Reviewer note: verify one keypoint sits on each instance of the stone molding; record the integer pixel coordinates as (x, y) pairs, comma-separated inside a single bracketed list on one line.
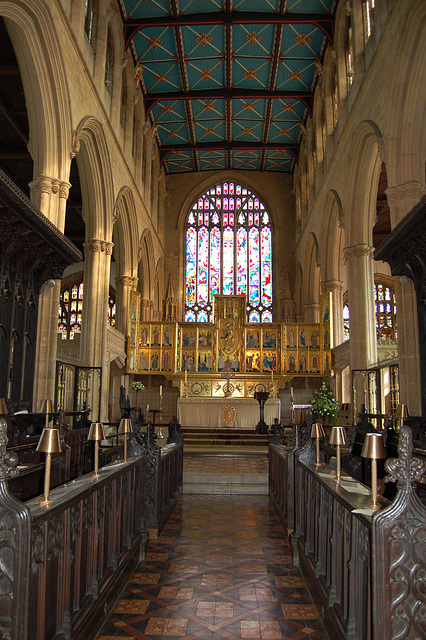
[(98, 246), (358, 251), (330, 286), (408, 190), (116, 346), (127, 281), (48, 186)]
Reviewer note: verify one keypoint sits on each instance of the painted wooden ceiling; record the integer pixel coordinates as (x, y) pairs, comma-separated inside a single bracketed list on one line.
[(228, 84)]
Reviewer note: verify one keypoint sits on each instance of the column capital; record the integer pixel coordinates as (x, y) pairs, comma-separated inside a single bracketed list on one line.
[(329, 286), (98, 246), (127, 281), (358, 251), (408, 190)]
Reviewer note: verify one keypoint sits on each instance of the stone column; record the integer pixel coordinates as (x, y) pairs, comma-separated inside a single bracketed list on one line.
[(97, 266), (123, 286), (363, 341), (47, 336), (408, 346), (335, 287), (312, 312), (49, 195)]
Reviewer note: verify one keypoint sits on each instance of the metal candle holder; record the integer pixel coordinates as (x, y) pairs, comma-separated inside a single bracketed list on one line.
[(49, 443), (338, 437), (96, 433), (125, 428), (317, 432), (374, 449)]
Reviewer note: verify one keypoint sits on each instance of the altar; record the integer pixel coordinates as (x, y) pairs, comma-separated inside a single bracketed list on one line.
[(225, 412)]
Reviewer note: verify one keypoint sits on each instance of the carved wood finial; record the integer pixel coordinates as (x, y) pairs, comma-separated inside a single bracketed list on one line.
[(8, 459), (405, 469)]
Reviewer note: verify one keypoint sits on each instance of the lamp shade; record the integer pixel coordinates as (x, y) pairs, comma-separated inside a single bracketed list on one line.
[(125, 426), (317, 430), (373, 446), (96, 431), (402, 412), (3, 408), (338, 436), (49, 441), (46, 406)]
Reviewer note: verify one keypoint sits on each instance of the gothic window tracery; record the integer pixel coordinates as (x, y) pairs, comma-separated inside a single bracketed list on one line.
[(368, 11), (109, 61), (228, 252), (90, 20)]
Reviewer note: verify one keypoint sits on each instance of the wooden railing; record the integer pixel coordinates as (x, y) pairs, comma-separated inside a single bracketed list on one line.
[(65, 564), (363, 567), (164, 475)]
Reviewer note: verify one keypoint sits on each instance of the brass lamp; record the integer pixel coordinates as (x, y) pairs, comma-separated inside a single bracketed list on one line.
[(374, 449), (125, 428), (96, 433), (49, 443), (401, 413), (338, 437), (317, 432)]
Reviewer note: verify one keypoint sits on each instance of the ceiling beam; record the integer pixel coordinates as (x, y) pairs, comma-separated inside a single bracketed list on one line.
[(325, 22), (165, 149), (305, 97)]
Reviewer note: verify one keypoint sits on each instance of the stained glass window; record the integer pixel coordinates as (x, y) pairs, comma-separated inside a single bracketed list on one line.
[(228, 252), (70, 310), (384, 299)]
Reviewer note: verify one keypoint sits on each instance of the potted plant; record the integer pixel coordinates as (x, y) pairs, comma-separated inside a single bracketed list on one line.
[(137, 386), (324, 404)]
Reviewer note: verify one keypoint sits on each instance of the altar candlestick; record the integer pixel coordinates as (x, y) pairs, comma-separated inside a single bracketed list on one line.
[(161, 390), (272, 376), (291, 392), (186, 376)]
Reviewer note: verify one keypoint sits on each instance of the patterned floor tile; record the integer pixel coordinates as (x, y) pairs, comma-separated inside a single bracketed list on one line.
[(221, 569)]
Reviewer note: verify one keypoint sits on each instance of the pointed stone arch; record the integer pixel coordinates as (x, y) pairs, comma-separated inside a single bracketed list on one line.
[(146, 267), (95, 178), (311, 279), (31, 29), (367, 163), (332, 237), (125, 233)]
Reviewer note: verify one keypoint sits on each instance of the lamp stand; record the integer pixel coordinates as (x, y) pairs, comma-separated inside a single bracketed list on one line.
[(95, 473), (318, 463), (125, 447), (374, 483), (338, 462), (45, 501)]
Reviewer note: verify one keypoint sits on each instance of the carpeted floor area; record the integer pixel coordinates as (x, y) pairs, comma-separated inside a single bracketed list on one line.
[(222, 568), (238, 465)]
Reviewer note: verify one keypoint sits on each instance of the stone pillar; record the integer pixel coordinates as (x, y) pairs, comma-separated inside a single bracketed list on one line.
[(49, 195), (363, 341), (97, 266), (335, 287), (47, 336), (123, 286), (312, 312)]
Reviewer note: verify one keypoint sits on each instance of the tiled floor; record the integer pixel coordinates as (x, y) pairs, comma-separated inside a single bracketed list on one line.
[(222, 568), (238, 465)]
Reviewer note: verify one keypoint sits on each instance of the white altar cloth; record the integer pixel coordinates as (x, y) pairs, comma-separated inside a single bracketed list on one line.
[(207, 412)]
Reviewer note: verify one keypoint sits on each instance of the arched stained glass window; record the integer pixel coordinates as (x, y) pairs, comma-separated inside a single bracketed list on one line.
[(228, 252), (70, 311)]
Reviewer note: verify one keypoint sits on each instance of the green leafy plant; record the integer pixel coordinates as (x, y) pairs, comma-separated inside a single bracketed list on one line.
[(324, 404), (137, 385)]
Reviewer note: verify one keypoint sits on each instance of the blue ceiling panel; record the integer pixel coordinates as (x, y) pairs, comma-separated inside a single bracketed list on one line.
[(310, 6), (159, 77), (155, 44), (253, 40), (212, 131), (295, 75), (138, 8), (301, 41), (256, 5), (169, 112), (212, 160), (249, 132), (208, 109), (288, 110), (205, 74), (248, 110), (176, 162), (175, 133), (284, 132), (250, 73), (248, 160), (205, 41)]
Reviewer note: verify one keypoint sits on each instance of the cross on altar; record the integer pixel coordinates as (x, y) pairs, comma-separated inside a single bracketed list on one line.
[(228, 375)]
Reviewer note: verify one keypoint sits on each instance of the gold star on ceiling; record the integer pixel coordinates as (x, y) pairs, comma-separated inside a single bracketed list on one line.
[(250, 74), (252, 37), (303, 39), (203, 39)]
